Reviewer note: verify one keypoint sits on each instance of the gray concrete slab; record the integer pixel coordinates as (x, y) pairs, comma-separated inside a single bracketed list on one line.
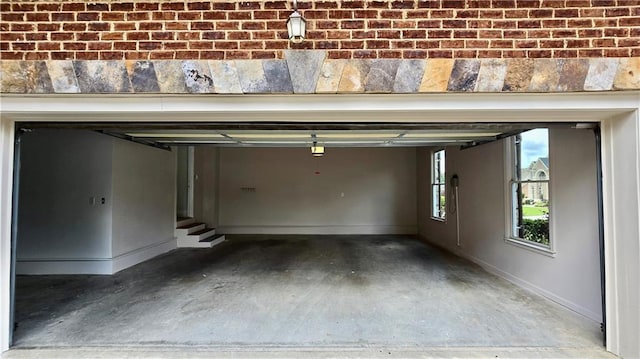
[(254, 296)]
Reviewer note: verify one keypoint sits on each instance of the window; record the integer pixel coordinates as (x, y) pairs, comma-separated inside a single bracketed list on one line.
[(438, 185), (529, 188)]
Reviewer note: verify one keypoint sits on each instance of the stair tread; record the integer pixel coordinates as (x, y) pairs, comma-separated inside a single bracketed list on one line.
[(202, 231), (212, 238), (190, 225)]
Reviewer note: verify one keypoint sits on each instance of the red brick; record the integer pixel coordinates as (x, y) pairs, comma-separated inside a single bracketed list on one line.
[(352, 24), (211, 55), (124, 45), (388, 34), (110, 36), (175, 45), (477, 44), (33, 16), (390, 54), (326, 4), (323, 45), (237, 55), (469, 54), (263, 55), (377, 44), (74, 27), (146, 6), (111, 55), (49, 7), (616, 52), (88, 36), (161, 55), (364, 14), (149, 45), (36, 36), (364, 54), (198, 5), (189, 16), (49, 46), (540, 53), (177, 6), (415, 54), (414, 34), (119, 6), (98, 26), (60, 55), (590, 52), (238, 35)]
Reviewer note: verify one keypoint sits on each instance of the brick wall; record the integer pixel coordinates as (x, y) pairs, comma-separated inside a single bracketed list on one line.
[(255, 29)]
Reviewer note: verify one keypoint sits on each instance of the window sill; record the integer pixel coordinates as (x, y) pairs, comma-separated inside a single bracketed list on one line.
[(530, 246)]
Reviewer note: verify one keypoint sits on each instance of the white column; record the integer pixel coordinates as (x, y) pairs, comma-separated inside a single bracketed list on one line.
[(6, 189), (621, 171)]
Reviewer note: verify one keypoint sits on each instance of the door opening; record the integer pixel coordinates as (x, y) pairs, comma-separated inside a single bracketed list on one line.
[(185, 182)]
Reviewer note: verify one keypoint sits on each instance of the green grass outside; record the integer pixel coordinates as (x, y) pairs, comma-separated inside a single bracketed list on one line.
[(530, 211)]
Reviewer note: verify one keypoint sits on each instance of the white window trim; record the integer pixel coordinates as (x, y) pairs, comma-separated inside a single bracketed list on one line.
[(549, 251), (433, 168)]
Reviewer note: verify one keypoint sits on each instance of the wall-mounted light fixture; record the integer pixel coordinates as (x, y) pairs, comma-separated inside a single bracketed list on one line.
[(296, 25), (317, 151)]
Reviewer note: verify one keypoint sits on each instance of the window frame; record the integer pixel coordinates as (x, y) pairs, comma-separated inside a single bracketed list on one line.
[(510, 170), (435, 181)]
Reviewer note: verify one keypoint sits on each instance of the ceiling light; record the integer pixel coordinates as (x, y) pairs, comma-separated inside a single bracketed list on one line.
[(316, 150), (176, 135), (301, 136), (356, 135), (449, 134), (296, 25)]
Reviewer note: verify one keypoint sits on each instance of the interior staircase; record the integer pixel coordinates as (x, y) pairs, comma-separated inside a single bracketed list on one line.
[(196, 235)]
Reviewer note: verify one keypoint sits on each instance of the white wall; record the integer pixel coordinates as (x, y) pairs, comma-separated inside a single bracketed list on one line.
[(58, 225), (62, 231), (572, 276), (206, 170), (144, 185), (298, 193)]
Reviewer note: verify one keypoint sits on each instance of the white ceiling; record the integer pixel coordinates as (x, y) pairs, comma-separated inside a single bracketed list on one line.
[(328, 138)]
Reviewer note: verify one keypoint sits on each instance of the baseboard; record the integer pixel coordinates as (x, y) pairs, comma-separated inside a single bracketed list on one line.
[(321, 230), (518, 281), (129, 259), (63, 266)]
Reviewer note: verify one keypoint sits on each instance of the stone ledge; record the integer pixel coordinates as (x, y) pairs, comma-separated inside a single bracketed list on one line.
[(311, 72)]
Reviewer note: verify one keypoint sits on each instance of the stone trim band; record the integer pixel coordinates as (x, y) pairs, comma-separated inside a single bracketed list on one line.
[(310, 71)]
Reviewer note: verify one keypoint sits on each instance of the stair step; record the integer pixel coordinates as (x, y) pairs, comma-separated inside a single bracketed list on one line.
[(191, 242), (202, 234), (213, 238), (190, 228)]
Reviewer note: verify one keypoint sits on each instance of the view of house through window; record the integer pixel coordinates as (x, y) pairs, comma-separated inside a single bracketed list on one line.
[(438, 185), (530, 187)]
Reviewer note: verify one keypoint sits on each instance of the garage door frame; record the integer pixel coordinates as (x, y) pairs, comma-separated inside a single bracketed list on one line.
[(618, 114)]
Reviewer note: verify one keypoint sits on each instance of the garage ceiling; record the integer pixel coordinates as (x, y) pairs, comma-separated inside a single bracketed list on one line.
[(244, 134), (329, 138)]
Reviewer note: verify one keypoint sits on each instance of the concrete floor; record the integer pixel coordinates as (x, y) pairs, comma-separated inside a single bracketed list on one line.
[(274, 294)]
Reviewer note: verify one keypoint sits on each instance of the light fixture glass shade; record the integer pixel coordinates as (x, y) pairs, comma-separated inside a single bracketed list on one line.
[(296, 26), (317, 151)]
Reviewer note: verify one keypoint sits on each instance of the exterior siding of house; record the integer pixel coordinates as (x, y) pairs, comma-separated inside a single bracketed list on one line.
[(350, 29)]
